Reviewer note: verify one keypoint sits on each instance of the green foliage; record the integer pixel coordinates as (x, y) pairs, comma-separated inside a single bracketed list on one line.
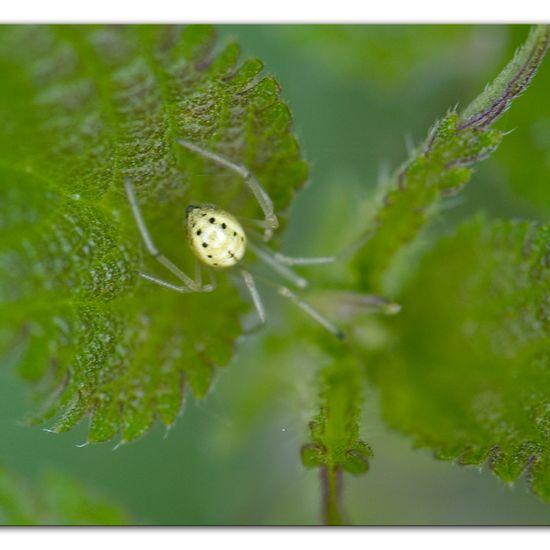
[(464, 370), (443, 164), (59, 500), (461, 370), (82, 108), (467, 372), (335, 444), (335, 429)]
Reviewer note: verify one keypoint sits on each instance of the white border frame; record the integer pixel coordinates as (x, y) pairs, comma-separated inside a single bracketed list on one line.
[(274, 11)]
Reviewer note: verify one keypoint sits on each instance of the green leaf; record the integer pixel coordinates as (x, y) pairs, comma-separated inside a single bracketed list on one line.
[(82, 108), (59, 500), (466, 370), (335, 445), (443, 164)]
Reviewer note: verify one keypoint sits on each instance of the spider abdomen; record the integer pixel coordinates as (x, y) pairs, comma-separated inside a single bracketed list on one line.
[(215, 236)]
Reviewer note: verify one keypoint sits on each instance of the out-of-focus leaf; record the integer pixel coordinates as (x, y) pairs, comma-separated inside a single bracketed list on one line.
[(60, 500), (466, 370)]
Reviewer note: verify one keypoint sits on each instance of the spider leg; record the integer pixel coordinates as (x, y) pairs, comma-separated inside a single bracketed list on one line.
[(270, 221), (311, 311), (268, 258), (262, 224), (192, 285), (213, 280), (277, 262), (286, 293), (161, 282), (198, 273), (283, 258), (251, 285), (289, 260)]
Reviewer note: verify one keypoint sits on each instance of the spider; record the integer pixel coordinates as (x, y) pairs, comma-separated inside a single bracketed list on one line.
[(219, 242)]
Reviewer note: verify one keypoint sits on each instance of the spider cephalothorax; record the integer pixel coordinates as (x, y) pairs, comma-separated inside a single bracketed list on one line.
[(215, 236)]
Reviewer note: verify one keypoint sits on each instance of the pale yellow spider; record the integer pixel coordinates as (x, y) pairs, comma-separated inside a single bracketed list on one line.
[(219, 241)]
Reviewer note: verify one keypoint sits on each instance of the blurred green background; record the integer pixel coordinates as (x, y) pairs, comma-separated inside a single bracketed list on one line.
[(360, 96)]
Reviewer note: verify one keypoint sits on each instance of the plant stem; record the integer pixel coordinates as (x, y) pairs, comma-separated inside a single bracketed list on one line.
[(331, 486)]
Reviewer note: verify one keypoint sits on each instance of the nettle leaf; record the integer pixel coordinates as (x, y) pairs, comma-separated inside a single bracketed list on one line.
[(58, 500), (82, 108), (442, 165), (335, 445), (467, 370)]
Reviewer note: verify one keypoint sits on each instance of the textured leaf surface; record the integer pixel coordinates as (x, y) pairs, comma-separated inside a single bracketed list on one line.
[(82, 108), (443, 164), (59, 500), (467, 369)]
